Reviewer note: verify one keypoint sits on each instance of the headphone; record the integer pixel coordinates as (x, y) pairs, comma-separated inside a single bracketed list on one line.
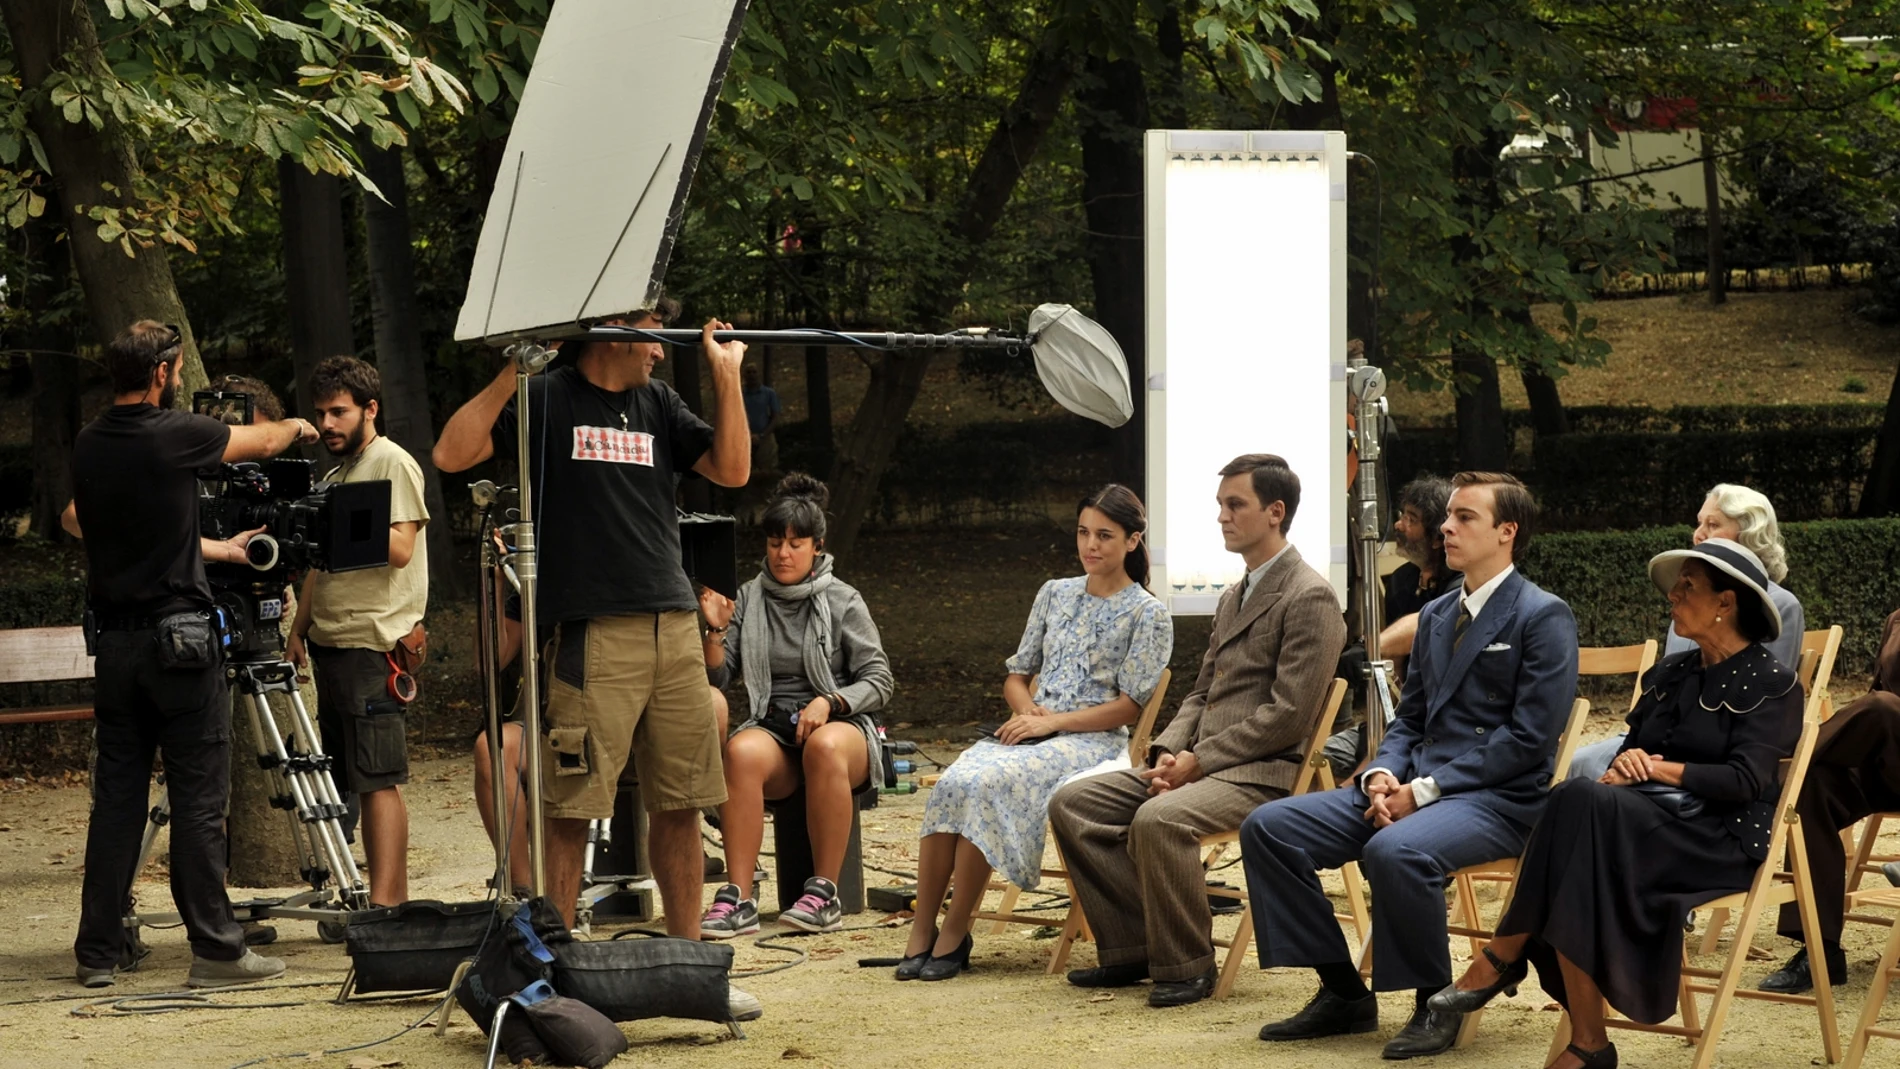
[(402, 685)]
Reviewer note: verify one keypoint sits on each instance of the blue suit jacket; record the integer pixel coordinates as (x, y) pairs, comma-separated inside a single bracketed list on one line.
[(1484, 721)]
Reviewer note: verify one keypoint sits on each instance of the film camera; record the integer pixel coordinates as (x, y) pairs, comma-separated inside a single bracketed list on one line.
[(336, 527)]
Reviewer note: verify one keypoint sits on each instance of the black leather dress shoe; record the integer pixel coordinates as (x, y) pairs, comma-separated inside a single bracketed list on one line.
[(1798, 976), (1326, 1015), (1429, 1032), (1110, 975), (1182, 992)]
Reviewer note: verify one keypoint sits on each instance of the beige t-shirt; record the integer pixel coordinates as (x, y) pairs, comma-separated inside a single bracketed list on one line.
[(373, 608)]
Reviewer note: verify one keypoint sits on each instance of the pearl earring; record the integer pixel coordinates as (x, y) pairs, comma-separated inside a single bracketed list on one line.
[(1718, 619)]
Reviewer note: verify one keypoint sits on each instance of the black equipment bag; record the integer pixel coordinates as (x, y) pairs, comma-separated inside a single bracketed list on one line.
[(658, 976), (415, 946), (573, 1032), (514, 955)]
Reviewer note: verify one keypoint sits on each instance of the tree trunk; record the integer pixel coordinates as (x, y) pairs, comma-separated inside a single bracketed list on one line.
[(896, 378), (1481, 441), (406, 414), (263, 844), (316, 274), (53, 36), (1112, 111), (818, 408), (1712, 191), (58, 378), (1547, 407), (1169, 99), (1880, 494)]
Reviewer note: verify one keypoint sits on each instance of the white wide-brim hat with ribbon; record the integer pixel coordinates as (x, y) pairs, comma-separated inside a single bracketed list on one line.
[(1731, 558)]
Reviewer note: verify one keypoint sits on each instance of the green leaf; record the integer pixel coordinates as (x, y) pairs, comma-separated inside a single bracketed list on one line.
[(801, 187), (411, 114), (486, 85)]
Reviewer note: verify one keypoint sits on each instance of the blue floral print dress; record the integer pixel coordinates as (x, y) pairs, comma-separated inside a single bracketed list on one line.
[(1084, 651)]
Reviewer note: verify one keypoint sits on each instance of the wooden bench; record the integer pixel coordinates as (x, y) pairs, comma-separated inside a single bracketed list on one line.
[(44, 655)]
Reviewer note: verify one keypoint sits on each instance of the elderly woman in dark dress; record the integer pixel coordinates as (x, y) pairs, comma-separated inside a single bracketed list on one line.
[(1681, 818)]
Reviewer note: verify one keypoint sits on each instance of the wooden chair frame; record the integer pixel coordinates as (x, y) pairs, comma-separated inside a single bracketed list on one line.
[(1072, 924), (1314, 770), (1868, 1027), (1769, 888), (1619, 660), (1466, 919)]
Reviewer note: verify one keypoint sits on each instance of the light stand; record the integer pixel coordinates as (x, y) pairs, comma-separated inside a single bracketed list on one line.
[(528, 358), (1365, 384)]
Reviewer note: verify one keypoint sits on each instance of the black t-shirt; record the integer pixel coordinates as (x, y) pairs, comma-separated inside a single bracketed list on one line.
[(1405, 594), (605, 519), (135, 488)]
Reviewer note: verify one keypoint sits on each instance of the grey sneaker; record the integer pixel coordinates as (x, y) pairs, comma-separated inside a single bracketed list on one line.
[(729, 916), (743, 1007), (96, 976), (1891, 870), (817, 910), (248, 969)]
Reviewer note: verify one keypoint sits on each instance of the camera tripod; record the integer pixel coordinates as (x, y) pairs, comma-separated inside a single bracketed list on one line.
[(301, 786)]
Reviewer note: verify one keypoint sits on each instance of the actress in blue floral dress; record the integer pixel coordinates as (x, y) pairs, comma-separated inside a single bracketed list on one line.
[(1096, 645)]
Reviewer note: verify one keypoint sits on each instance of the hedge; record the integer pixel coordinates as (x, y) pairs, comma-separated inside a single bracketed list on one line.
[(1845, 572), (1634, 467)]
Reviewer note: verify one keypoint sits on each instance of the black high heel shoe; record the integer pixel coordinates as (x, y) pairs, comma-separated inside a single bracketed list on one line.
[(912, 967), (943, 968), (1510, 974)]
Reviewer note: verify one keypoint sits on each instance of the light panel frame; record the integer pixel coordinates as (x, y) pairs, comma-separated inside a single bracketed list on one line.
[(1246, 342)]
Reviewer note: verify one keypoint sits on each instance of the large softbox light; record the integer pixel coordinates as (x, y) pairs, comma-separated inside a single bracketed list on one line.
[(589, 196)]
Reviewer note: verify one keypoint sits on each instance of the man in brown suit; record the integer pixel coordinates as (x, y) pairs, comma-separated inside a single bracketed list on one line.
[(1131, 839), (1855, 772)]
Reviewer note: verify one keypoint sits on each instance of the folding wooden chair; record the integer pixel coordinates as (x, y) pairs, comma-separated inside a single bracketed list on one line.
[(1314, 770), (1591, 661), (1813, 670), (1072, 924), (1869, 1024), (1769, 888)]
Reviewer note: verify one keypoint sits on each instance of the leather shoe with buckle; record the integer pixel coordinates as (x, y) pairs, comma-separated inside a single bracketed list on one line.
[(1110, 975), (1797, 976), (1326, 1015), (1429, 1032), (1182, 992)]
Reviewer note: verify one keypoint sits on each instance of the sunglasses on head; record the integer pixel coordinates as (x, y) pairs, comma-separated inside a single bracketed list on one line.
[(170, 351)]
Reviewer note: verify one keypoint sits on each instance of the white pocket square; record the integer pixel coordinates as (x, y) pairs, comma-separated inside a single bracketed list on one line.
[(1496, 647)]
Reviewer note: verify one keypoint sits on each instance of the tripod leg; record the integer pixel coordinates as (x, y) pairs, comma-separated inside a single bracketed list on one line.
[(323, 787), (308, 863)]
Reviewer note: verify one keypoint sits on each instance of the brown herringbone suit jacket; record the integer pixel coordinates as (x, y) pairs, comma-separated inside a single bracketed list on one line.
[(1263, 680)]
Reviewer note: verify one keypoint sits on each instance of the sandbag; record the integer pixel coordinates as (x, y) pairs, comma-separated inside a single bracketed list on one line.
[(513, 956), (574, 1032), (415, 946), (633, 979)]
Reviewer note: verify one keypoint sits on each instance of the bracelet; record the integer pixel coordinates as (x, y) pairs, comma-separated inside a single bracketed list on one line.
[(718, 630)]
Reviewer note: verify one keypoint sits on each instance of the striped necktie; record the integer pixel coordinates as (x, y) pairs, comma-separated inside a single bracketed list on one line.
[(1464, 624)]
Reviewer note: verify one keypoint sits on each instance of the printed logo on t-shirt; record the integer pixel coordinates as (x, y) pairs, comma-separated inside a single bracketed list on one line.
[(613, 446)]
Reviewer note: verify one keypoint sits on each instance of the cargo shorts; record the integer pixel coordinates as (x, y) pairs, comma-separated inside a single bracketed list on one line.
[(623, 688), (365, 730)]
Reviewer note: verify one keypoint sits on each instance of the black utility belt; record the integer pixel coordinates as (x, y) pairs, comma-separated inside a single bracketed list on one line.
[(186, 640), (125, 623)]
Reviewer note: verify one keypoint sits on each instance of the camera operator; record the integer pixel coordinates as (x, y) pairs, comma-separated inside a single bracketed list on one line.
[(626, 670), (159, 672), (360, 626)]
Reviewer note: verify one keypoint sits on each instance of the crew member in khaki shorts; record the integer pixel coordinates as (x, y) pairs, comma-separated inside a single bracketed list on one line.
[(607, 446), (621, 684)]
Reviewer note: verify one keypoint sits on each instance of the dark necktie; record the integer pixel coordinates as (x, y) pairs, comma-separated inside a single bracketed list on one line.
[(1464, 624)]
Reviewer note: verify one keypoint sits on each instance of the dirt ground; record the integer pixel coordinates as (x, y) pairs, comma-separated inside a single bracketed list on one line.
[(826, 1011)]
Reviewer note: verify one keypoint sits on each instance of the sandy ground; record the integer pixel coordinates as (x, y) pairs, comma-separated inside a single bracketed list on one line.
[(826, 1011)]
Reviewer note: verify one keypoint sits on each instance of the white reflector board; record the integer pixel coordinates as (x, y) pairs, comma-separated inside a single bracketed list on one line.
[(1246, 293), (590, 192)]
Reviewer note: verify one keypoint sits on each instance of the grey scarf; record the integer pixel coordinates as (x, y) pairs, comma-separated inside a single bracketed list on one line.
[(755, 641)]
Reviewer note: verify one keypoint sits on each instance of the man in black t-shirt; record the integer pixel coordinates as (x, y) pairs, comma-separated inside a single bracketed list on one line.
[(135, 498), (607, 442)]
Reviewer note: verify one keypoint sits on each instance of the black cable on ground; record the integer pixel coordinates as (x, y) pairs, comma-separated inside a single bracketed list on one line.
[(932, 758), (890, 872), (391, 1038)]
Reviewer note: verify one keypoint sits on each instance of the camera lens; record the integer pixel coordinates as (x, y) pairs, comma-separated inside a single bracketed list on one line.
[(261, 552)]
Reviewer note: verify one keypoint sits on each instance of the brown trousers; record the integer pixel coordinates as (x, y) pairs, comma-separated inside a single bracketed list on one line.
[(1855, 771), (1135, 863)]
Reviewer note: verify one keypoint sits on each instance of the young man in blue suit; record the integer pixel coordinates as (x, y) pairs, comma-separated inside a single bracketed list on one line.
[(1459, 780)]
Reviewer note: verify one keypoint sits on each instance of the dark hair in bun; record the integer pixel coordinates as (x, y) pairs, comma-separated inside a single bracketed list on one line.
[(796, 508), (1126, 511)]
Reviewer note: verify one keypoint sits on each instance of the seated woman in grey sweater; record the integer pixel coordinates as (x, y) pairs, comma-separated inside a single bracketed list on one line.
[(814, 671)]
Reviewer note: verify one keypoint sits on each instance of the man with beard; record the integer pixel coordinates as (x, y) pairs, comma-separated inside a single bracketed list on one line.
[(1423, 576), (350, 625), (159, 671)]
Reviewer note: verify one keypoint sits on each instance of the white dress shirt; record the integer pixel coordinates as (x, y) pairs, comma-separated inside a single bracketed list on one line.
[(1253, 578), (1424, 788)]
